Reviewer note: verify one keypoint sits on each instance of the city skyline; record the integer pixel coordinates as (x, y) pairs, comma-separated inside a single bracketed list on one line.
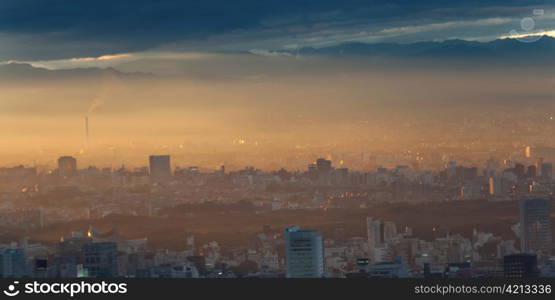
[(278, 139)]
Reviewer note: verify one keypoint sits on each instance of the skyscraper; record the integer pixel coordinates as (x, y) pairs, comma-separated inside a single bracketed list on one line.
[(535, 225), (520, 266), (527, 151), (12, 263), (304, 253), (323, 164), (531, 172), (374, 234), (519, 170), (101, 259), (67, 164), (389, 231), (324, 169), (547, 171), (159, 167)]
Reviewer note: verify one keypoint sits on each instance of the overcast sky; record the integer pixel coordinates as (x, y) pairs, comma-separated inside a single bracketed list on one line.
[(32, 30)]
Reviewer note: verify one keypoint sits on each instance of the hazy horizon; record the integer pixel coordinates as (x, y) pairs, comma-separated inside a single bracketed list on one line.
[(280, 90)]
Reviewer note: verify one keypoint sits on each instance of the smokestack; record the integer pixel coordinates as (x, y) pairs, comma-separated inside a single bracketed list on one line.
[(86, 133)]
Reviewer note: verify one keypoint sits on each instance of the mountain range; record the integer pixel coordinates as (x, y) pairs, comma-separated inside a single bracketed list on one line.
[(15, 70), (542, 49), (543, 46), (504, 52)]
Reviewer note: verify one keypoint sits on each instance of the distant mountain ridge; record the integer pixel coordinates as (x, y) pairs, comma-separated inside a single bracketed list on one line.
[(543, 48), (501, 52), (15, 70)]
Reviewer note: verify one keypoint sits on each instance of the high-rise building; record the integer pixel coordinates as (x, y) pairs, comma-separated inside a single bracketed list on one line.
[(547, 171), (535, 225), (527, 151), (374, 234), (520, 266), (322, 172), (312, 171), (519, 170), (160, 167), (323, 165), (67, 164), (12, 263), (531, 172), (304, 253), (65, 266), (389, 231), (101, 259)]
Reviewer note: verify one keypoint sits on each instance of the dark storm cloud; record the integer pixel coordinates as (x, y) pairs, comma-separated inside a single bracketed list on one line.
[(49, 29)]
